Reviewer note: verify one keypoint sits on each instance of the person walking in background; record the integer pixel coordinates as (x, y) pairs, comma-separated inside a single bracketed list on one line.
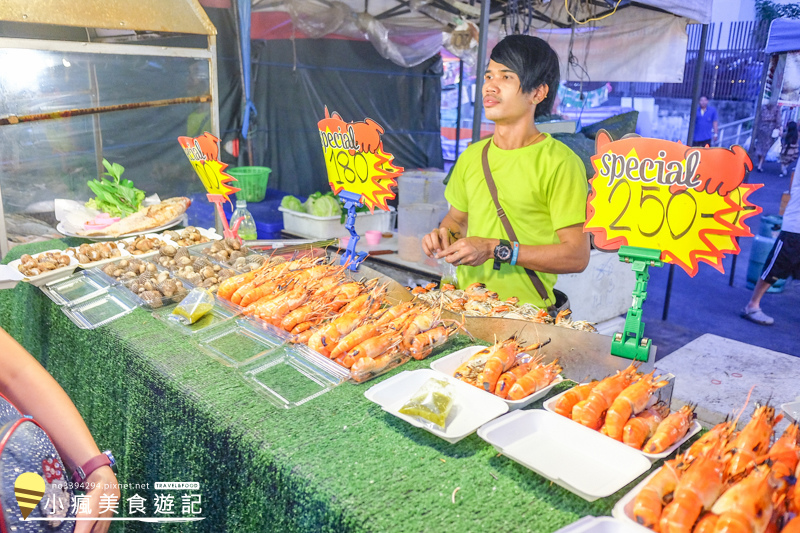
[(789, 148), (783, 260), (706, 125), (768, 130)]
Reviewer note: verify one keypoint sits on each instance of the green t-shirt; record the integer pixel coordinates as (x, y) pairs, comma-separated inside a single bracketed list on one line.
[(542, 188)]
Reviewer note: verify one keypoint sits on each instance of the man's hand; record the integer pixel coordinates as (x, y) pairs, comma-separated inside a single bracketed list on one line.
[(101, 482), (435, 241), (472, 251)]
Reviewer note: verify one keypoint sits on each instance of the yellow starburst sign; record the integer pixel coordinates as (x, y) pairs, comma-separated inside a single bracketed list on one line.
[(356, 161), (203, 153), (690, 203)]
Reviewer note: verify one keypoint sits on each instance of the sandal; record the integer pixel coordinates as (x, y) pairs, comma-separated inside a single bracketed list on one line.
[(757, 316)]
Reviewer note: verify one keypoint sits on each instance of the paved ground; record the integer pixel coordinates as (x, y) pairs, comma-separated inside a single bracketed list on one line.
[(707, 304)]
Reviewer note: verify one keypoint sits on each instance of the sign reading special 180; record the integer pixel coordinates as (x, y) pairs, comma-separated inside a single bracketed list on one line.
[(356, 161), (690, 203)]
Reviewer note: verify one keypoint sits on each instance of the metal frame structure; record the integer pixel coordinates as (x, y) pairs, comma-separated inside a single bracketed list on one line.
[(181, 16)]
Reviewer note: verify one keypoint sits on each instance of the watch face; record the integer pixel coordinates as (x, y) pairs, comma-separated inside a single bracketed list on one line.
[(502, 252)]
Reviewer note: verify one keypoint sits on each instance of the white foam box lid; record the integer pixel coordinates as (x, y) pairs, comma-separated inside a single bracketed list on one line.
[(471, 407), (576, 458), (601, 524), (448, 365), (550, 405), (315, 227)]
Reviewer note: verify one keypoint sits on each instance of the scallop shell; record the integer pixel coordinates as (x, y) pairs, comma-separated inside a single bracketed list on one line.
[(152, 298), (256, 259), (181, 252), (201, 262)]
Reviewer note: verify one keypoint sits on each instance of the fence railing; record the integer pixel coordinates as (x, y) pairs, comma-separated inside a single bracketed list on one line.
[(735, 132), (733, 64)]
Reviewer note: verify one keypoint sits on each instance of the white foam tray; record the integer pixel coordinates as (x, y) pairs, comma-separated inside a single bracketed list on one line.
[(471, 407), (792, 409), (623, 510), (449, 364), (51, 275), (550, 404), (602, 524), (576, 458)]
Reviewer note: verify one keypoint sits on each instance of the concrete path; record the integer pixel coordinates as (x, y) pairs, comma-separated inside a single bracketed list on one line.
[(717, 373)]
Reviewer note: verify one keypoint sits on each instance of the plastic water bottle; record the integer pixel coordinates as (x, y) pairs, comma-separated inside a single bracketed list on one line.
[(247, 228)]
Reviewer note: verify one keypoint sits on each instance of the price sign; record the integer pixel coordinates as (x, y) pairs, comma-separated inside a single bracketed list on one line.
[(690, 203), (203, 153), (355, 160)]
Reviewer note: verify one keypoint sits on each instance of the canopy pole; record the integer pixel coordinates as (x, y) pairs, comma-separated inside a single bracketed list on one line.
[(480, 65), (458, 109), (698, 78)]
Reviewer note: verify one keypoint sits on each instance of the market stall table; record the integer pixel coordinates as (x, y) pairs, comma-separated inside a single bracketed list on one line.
[(336, 463)]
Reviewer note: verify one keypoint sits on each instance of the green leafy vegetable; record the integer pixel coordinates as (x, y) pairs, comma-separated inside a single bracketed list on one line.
[(290, 202), (117, 197), (325, 206)]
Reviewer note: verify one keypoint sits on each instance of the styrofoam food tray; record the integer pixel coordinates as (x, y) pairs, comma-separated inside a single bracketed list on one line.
[(449, 364), (51, 275), (123, 254), (600, 524), (471, 407), (792, 409), (550, 405), (579, 459), (623, 510)]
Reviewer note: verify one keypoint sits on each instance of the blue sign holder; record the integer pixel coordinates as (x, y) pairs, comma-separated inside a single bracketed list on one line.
[(351, 258)]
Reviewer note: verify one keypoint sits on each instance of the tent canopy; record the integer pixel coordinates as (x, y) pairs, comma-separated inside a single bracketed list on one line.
[(784, 36), (181, 16), (603, 39)]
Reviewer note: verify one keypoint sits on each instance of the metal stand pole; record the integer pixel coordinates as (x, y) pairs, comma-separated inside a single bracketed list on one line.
[(480, 65), (698, 77), (458, 109)]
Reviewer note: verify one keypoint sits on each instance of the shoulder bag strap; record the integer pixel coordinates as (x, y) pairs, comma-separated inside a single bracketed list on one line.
[(487, 173)]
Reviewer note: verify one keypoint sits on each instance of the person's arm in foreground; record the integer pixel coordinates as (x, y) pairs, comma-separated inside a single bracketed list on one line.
[(34, 391), (568, 256)]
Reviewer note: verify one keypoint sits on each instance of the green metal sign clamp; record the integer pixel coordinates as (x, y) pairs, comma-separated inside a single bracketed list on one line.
[(631, 343)]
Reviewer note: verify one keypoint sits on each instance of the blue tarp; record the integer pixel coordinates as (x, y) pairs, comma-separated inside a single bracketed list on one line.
[(784, 36)]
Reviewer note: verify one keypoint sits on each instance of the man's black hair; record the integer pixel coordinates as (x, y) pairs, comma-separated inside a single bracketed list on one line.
[(534, 62)]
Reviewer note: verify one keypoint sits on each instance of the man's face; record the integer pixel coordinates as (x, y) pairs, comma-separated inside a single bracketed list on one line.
[(503, 101), (703, 102)]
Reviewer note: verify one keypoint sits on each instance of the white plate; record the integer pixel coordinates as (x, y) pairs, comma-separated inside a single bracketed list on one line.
[(51, 275), (582, 461), (471, 407), (449, 364), (550, 405), (602, 524), (623, 510), (180, 220)]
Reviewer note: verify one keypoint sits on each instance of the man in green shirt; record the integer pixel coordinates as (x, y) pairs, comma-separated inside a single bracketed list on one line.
[(541, 185)]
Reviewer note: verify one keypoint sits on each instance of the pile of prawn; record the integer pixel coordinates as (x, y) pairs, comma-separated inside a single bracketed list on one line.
[(508, 370), (477, 300), (728, 481), (619, 407), (348, 321)]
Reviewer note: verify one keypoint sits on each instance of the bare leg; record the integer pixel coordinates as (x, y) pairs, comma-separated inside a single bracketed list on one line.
[(760, 290), (760, 162)]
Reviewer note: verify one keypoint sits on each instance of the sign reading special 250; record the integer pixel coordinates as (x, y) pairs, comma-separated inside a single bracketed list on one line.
[(690, 203), (356, 161)]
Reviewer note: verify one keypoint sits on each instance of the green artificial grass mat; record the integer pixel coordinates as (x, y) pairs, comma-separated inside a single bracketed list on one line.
[(336, 463)]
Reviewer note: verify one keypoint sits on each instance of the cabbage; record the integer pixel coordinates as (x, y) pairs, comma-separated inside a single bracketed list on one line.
[(324, 206), (290, 202)]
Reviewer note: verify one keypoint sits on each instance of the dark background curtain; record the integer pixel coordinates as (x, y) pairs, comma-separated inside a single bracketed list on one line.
[(293, 82)]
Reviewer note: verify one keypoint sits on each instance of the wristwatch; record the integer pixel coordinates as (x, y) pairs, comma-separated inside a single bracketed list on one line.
[(104, 459), (502, 253)]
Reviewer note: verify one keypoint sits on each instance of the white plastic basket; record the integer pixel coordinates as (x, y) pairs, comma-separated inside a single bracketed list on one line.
[(314, 227)]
